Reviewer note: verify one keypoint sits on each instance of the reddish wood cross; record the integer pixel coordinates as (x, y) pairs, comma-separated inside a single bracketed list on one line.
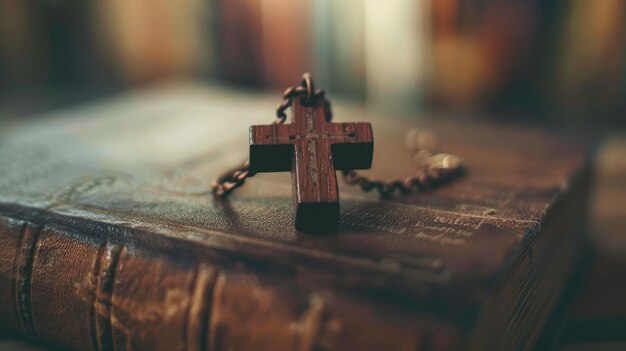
[(313, 149)]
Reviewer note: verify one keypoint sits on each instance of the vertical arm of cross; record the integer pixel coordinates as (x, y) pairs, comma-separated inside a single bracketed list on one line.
[(313, 175)]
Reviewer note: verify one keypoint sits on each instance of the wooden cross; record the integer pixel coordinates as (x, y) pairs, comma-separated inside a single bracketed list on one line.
[(313, 149)]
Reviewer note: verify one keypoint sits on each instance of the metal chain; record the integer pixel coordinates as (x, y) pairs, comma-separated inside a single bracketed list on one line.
[(231, 179), (306, 86), (433, 169)]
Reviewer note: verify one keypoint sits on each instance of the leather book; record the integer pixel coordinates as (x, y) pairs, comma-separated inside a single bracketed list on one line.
[(110, 238)]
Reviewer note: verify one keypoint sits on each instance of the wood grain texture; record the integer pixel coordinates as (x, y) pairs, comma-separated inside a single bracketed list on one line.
[(154, 250), (312, 149)]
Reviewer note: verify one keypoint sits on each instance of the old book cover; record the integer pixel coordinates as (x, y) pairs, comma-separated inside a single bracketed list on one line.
[(111, 240)]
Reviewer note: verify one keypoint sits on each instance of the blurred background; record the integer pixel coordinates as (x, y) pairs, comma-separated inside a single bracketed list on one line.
[(559, 62), (555, 63)]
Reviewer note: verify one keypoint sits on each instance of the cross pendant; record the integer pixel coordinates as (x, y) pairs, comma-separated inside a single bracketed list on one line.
[(312, 149)]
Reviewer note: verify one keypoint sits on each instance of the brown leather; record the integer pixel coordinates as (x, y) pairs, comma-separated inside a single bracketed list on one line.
[(110, 239), (10, 231)]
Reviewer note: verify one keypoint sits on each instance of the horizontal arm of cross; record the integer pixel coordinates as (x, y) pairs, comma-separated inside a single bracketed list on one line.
[(271, 146)]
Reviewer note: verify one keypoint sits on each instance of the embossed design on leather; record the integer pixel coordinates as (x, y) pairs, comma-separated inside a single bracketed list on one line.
[(104, 273), (83, 186), (199, 312)]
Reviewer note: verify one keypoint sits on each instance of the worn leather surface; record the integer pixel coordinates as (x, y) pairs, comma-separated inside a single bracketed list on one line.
[(111, 240)]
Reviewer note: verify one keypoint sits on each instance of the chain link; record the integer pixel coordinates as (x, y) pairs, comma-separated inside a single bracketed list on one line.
[(231, 180), (303, 91), (433, 169)]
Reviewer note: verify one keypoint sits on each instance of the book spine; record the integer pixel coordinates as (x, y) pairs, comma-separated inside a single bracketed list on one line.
[(239, 45), (397, 74), (91, 294), (287, 33), (95, 287), (339, 46)]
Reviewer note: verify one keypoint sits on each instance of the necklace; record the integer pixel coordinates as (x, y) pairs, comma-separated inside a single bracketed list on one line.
[(313, 147)]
